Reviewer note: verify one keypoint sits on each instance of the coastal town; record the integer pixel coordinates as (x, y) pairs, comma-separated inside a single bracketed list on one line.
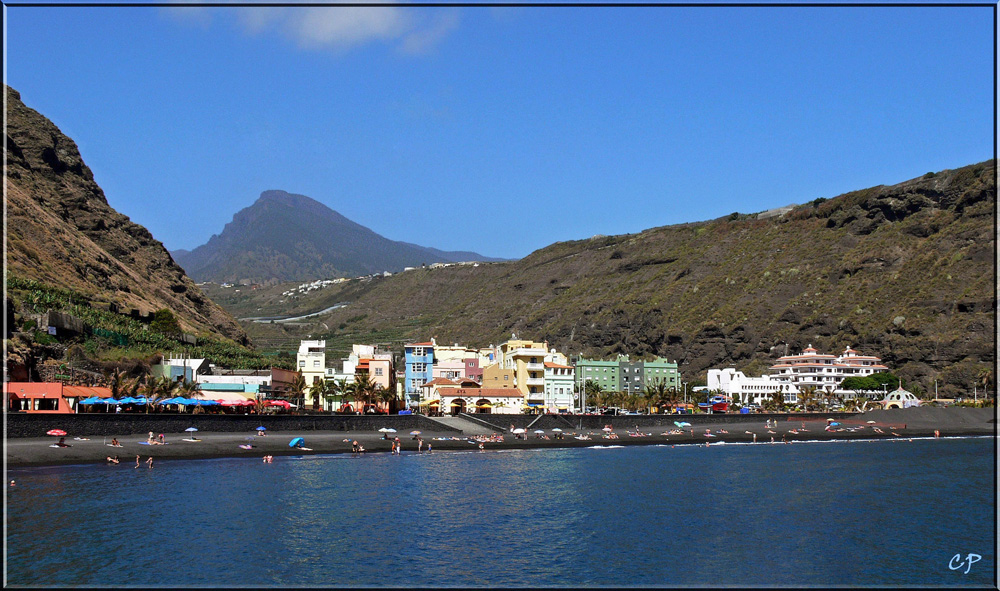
[(517, 376)]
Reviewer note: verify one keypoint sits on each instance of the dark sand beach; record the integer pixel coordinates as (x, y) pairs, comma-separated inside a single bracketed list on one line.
[(878, 424)]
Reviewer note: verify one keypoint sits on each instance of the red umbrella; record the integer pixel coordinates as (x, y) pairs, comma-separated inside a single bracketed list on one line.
[(56, 433)]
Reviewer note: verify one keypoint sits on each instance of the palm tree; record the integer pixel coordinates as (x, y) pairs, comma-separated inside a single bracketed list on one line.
[(387, 396), (116, 383), (593, 391), (364, 388), (156, 389), (318, 391), (985, 377), (807, 396), (298, 390), (338, 388)]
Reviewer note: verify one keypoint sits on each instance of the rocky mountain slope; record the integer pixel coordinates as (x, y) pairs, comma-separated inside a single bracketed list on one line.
[(62, 232), (906, 272), (288, 237)]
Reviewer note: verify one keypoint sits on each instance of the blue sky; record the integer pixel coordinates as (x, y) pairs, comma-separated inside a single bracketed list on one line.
[(503, 130)]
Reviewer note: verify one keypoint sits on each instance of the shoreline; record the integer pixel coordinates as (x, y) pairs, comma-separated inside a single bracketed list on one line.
[(895, 424)]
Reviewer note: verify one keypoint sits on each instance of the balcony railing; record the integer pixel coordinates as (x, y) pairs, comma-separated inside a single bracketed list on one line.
[(534, 381), (535, 366)]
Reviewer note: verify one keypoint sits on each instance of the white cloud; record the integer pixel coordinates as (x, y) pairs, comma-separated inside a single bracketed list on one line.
[(345, 26), (423, 38), (333, 26)]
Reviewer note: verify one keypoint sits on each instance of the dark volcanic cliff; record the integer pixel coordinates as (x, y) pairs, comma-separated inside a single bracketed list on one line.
[(62, 232)]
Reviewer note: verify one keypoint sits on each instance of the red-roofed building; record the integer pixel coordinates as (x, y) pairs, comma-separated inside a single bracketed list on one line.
[(823, 372), (481, 400)]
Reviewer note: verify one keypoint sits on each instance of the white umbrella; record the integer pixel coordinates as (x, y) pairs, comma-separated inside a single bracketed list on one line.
[(390, 430), (557, 429), (539, 431), (518, 430), (606, 429), (384, 430)]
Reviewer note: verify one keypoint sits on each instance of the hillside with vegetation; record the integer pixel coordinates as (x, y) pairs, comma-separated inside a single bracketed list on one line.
[(905, 272), (69, 251)]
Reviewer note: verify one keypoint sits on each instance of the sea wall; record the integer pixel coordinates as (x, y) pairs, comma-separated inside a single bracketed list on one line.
[(502, 422), (36, 425)]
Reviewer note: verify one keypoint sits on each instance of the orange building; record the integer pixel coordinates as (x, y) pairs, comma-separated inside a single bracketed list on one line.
[(48, 397)]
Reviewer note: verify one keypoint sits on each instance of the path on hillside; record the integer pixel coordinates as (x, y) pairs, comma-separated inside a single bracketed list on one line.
[(280, 319)]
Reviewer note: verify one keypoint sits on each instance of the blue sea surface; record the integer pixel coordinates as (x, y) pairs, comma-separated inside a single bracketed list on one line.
[(862, 513)]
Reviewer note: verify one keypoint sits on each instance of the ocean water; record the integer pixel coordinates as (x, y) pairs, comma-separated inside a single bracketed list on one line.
[(864, 513)]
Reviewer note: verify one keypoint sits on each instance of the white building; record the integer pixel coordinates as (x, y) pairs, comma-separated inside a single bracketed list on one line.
[(559, 379), (791, 373), (311, 361), (824, 372), (749, 390)]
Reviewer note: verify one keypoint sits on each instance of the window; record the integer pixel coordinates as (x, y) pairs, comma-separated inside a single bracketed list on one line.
[(315, 362), (419, 367), (378, 371), (302, 363), (505, 376)]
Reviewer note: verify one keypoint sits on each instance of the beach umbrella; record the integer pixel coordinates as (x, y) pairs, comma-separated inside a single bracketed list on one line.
[(390, 430), (262, 428), (682, 424), (557, 429), (191, 429), (414, 432), (383, 430), (606, 429), (539, 431), (297, 442), (56, 433), (91, 400), (518, 430)]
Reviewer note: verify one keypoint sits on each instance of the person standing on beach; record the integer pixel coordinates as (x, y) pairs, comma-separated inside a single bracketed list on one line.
[(149, 462), (136, 460), (420, 444), (428, 448)]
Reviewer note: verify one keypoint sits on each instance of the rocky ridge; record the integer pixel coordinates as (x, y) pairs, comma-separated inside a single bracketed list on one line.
[(62, 232)]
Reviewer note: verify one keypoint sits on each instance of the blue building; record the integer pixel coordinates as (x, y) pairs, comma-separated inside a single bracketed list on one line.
[(419, 369)]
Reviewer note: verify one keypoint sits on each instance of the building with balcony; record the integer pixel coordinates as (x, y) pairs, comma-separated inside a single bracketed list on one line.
[(418, 368), (559, 388), (527, 359), (812, 369), (311, 361)]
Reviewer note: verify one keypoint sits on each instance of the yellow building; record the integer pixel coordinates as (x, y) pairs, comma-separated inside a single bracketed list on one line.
[(527, 359), (495, 376)]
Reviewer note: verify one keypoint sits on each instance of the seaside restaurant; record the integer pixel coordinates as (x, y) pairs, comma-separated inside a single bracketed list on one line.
[(48, 397)]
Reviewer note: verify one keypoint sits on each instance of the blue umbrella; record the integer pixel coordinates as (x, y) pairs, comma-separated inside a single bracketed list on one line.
[(297, 442), (111, 401), (682, 424), (127, 400), (262, 428), (92, 400), (140, 400)]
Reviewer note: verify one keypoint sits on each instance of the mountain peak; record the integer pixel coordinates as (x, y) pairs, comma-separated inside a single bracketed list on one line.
[(289, 237)]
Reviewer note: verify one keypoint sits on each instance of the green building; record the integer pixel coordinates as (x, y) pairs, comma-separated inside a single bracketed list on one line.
[(623, 375), (603, 373), (661, 369)]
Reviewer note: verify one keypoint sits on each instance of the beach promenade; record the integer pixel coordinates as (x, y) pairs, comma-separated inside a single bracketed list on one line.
[(761, 429)]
